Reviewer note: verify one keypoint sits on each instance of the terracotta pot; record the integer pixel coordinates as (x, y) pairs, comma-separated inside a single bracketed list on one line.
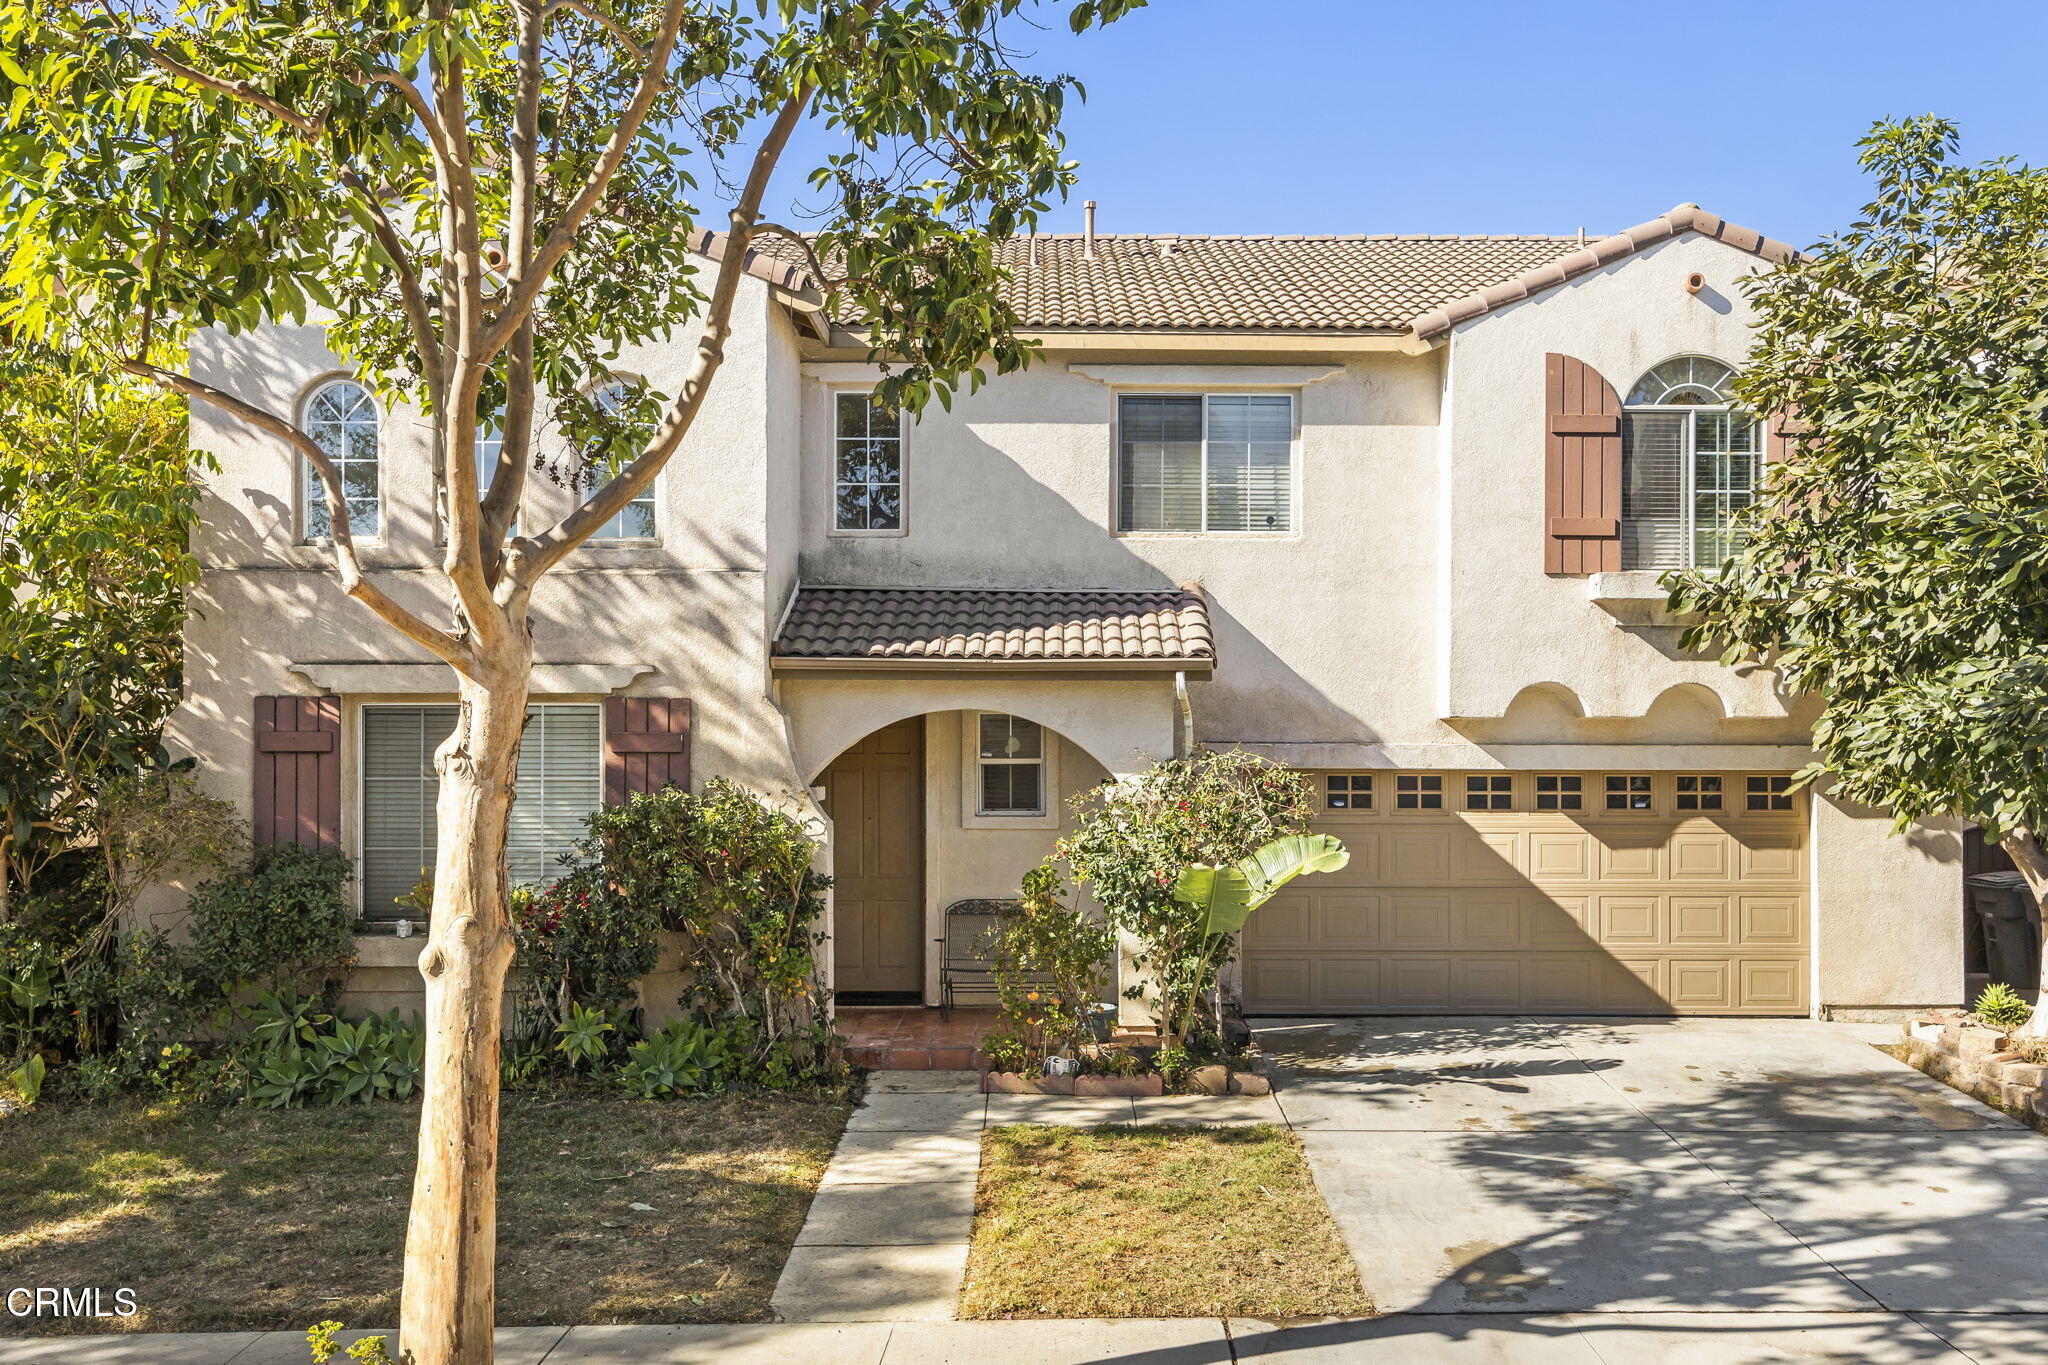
[(1119, 1087), (1018, 1083)]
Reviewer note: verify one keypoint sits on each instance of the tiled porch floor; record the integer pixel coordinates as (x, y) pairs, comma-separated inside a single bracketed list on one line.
[(913, 1038)]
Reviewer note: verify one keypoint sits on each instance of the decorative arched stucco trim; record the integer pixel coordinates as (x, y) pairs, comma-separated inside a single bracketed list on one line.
[(1123, 725), (1593, 256), (1556, 693), (1688, 696)]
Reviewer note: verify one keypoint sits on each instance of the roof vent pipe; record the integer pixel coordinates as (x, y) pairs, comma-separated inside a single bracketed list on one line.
[(1088, 230), (1034, 248)]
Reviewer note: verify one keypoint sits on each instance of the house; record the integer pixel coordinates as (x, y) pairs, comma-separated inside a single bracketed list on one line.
[(1387, 508)]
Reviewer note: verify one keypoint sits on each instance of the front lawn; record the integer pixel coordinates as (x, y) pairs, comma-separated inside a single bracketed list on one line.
[(1153, 1222), (242, 1218)]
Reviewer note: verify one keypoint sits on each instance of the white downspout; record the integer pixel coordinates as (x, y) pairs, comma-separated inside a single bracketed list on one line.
[(1187, 714)]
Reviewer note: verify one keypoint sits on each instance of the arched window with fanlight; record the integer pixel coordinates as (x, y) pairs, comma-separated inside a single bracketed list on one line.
[(1689, 463), (341, 417)]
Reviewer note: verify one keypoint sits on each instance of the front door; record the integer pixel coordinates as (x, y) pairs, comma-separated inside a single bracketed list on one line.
[(874, 793)]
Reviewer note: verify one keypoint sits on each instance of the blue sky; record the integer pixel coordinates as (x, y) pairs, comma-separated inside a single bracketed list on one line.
[(1457, 116)]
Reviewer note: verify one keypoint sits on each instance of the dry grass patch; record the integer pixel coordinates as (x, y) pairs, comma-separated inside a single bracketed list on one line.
[(1153, 1222), (240, 1218)]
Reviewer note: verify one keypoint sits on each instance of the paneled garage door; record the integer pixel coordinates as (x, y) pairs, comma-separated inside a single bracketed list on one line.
[(1545, 893)]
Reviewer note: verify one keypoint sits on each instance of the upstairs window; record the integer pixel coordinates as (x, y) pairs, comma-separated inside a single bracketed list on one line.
[(636, 520), (867, 465), (1215, 462), (1689, 464), (1011, 756), (341, 417)]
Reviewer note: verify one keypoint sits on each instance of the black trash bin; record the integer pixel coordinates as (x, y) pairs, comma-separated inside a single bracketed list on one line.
[(2012, 927)]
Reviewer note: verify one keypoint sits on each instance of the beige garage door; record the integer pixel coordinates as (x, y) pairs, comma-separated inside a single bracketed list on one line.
[(1557, 893)]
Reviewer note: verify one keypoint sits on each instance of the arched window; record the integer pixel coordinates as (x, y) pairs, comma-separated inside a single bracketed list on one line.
[(341, 417), (1689, 462), (635, 521)]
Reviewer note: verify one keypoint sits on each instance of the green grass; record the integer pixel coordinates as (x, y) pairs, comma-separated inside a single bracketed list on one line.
[(1153, 1222), (238, 1218)]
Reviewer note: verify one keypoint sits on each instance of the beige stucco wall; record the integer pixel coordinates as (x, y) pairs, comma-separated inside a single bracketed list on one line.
[(1888, 924), (693, 609)]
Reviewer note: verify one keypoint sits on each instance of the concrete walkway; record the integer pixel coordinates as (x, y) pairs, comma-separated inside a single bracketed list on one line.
[(1630, 1167), (886, 1239)]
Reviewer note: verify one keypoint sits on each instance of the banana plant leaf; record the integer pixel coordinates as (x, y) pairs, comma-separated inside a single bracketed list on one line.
[(1229, 894)]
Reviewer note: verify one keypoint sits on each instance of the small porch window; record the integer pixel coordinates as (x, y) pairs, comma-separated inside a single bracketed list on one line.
[(1011, 766)]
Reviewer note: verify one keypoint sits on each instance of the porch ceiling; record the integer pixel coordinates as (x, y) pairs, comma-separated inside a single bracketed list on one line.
[(864, 629)]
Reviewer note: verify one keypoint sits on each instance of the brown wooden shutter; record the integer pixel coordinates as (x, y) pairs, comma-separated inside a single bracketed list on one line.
[(646, 745), (1780, 435), (298, 771), (1582, 469)]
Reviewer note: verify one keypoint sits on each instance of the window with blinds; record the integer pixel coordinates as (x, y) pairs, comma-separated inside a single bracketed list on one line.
[(1690, 463), (1012, 761), (1196, 462), (561, 780)]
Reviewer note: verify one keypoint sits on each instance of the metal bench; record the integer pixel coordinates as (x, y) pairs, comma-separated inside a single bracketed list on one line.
[(966, 950)]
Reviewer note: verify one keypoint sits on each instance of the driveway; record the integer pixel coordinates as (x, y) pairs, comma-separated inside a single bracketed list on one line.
[(1551, 1168)]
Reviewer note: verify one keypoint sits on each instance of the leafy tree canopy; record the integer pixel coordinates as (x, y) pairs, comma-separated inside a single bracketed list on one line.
[(96, 505), (1897, 565)]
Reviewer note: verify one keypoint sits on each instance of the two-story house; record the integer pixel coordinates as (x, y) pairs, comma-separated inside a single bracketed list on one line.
[(1387, 508)]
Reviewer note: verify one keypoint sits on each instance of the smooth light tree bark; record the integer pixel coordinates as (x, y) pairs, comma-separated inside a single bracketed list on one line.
[(2032, 861)]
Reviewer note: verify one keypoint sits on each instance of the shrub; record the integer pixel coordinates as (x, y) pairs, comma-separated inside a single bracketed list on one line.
[(296, 1053), (287, 921), (1999, 1006), (734, 875), (1051, 967), (582, 942), (1133, 839)]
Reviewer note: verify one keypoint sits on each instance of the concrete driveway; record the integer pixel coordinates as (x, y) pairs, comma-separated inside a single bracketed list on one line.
[(1608, 1173)]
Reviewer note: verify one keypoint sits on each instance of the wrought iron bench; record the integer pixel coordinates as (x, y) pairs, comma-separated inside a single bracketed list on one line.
[(965, 951)]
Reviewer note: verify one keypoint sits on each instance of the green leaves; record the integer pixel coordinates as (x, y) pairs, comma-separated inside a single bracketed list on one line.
[(1228, 895), (1896, 567)]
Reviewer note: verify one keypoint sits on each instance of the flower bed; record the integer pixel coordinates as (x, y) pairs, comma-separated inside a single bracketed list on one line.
[(1214, 1079), (1951, 1046)]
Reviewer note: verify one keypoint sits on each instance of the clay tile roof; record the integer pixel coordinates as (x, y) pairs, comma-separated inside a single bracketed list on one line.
[(1161, 625), (1151, 282), (1593, 256), (1384, 282)]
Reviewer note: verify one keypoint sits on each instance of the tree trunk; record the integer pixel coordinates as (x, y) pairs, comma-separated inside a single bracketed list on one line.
[(449, 1305), (2032, 860)]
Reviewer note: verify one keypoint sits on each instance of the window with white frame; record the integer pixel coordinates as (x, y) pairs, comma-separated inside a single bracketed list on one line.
[(1010, 760), (1205, 462), (1689, 464), (341, 417), (636, 520), (867, 464), (490, 443), (560, 781)]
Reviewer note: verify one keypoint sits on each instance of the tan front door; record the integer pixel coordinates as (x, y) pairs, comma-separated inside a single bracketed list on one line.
[(1544, 893), (874, 793)]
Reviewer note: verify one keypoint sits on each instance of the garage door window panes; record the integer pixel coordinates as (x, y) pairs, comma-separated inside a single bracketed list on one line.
[(1769, 793), (1628, 791), (1489, 793), (1349, 791), (1558, 791), (561, 780), (1418, 792), (1698, 792)]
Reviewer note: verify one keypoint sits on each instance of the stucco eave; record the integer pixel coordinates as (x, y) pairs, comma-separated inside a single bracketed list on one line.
[(354, 678)]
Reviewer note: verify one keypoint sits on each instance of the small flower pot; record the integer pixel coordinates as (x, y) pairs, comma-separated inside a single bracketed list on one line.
[(1119, 1087), (1018, 1083)]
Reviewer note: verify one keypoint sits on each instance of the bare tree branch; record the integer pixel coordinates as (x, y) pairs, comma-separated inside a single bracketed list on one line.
[(238, 90), (534, 557), (826, 281), (599, 17), (348, 567), (653, 77)]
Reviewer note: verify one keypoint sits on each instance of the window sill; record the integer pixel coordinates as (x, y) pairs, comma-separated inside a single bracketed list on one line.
[(844, 533), (1208, 535), (1042, 820), (1635, 596)]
